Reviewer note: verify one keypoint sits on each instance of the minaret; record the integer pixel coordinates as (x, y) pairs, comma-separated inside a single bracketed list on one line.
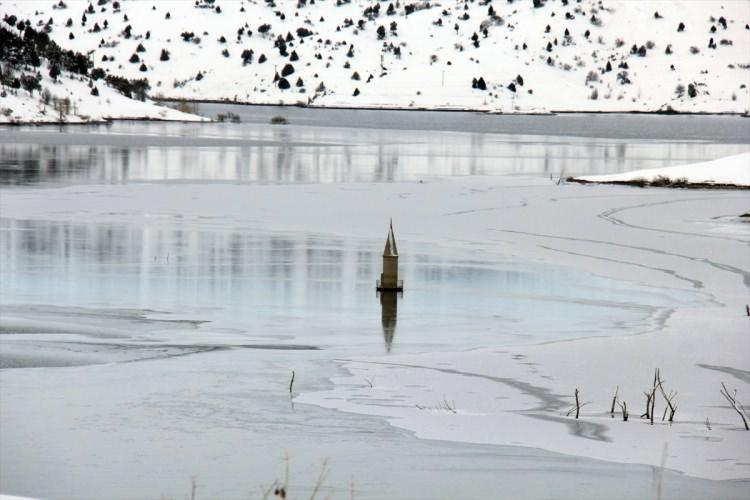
[(389, 277)]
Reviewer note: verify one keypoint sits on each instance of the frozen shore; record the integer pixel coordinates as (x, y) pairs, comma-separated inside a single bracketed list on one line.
[(732, 171)]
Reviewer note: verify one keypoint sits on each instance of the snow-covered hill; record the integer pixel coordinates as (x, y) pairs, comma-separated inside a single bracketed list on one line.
[(533, 56), (69, 100), (40, 82)]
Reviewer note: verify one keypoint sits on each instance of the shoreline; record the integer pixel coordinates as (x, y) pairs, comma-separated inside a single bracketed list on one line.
[(541, 113), (647, 184), (449, 109)]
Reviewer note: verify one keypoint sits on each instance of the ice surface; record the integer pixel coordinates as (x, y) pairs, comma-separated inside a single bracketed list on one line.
[(520, 290)]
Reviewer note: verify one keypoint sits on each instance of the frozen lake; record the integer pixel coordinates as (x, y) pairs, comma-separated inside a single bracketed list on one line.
[(342, 146), (161, 281)]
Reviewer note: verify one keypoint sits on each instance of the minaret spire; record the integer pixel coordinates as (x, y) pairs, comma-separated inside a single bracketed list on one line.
[(389, 277), (390, 243)]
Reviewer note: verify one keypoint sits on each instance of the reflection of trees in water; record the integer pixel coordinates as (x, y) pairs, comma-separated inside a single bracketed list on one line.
[(307, 155), (31, 163), (387, 161), (190, 260)]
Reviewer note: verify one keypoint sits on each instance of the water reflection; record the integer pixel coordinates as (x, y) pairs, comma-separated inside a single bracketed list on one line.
[(388, 315), (253, 153), (315, 286)]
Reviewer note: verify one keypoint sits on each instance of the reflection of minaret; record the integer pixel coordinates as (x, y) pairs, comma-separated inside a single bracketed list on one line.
[(388, 314)]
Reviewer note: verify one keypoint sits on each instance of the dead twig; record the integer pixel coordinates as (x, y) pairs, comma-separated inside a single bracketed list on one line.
[(291, 383), (624, 408), (321, 479), (444, 405), (193, 487), (578, 405), (671, 405), (646, 414), (448, 406), (267, 492), (651, 398), (732, 398), (614, 401)]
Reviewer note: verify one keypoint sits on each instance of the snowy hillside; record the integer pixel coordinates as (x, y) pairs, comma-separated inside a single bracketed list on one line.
[(69, 100), (505, 56), (40, 82)]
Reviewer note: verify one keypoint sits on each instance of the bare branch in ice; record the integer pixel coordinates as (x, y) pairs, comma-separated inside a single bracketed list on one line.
[(738, 407)]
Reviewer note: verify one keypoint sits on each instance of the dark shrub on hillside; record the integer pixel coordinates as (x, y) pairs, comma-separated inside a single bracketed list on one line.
[(283, 83), (136, 89), (287, 70), (30, 83)]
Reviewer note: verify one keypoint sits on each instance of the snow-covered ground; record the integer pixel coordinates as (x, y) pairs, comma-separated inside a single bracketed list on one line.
[(703, 68), (732, 171), (22, 107)]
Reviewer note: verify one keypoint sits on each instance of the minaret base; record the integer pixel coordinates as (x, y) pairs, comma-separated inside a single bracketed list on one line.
[(389, 287)]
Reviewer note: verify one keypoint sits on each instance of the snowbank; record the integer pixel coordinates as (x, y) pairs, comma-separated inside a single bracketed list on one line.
[(730, 171)]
